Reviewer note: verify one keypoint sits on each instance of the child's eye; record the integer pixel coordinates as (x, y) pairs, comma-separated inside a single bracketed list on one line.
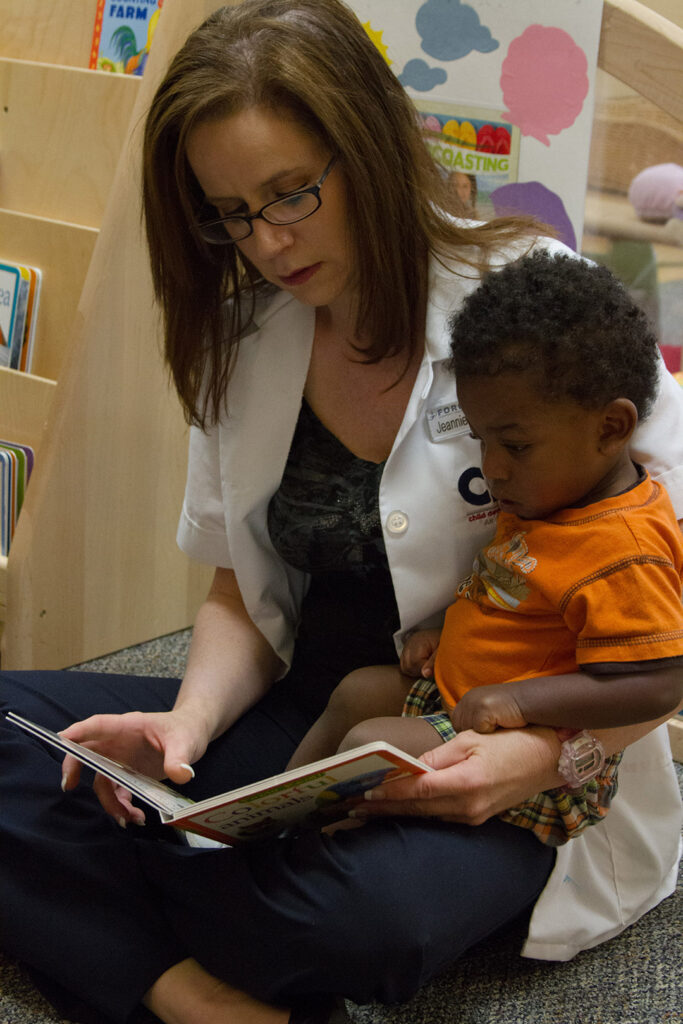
[(517, 449)]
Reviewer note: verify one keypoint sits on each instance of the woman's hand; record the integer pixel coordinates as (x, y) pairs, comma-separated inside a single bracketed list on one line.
[(162, 745), (476, 776), (230, 667)]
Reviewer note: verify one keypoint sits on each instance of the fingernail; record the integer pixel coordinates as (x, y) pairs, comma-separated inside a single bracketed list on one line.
[(63, 783), (374, 794), (189, 768), (121, 821)]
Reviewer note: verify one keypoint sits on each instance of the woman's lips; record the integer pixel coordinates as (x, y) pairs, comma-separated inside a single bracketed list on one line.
[(300, 276)]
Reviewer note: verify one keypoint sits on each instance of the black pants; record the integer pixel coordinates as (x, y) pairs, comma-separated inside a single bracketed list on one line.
[(372, 913)]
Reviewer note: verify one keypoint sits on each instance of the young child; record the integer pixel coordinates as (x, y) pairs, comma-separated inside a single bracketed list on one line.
[(572, 616)]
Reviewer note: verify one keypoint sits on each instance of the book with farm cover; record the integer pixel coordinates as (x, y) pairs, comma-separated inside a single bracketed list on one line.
[(122, 35)]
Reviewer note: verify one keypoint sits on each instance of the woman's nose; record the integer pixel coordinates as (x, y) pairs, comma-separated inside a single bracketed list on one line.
[(270, 239)]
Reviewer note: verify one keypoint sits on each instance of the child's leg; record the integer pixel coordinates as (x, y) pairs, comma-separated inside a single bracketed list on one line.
[(365, 693), (413, 735)]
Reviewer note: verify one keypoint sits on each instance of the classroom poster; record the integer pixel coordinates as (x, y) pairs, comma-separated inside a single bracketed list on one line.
[(505, 90)]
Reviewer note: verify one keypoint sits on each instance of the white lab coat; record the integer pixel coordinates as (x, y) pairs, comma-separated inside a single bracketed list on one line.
[(435, 513)]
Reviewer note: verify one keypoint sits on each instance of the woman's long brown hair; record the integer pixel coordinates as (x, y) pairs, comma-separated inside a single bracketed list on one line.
[(312, 61)]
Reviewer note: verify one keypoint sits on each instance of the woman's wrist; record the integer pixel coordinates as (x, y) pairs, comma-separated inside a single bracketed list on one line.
[(191, 715), (539, 753)]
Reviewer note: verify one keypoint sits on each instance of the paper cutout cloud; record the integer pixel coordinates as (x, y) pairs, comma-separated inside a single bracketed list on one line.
[(451, 29), (534, 198), (544, 81), (419, 75)]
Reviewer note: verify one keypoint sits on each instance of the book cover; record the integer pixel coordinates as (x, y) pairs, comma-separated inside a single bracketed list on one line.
[(34, 277), (5, 501), (309, 797), (16, 463), (122, 35), (19, 295), (10, 310)]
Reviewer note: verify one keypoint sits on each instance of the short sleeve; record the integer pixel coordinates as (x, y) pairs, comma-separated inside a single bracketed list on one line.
[(201, 530), (628, 611)]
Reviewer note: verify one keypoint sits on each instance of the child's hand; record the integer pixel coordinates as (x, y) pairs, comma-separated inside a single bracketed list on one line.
[(486, 708), (419, 652)]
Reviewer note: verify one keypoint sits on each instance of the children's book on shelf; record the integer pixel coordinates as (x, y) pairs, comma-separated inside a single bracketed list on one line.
[(19, 295), (309, 797), (16, 463), (123, 34)]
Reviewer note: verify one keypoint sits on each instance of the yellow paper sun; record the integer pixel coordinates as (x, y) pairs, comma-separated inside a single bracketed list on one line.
[(376, 36)]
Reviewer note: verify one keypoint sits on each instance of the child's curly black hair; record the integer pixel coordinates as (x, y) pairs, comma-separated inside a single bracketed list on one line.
[(570, 321)]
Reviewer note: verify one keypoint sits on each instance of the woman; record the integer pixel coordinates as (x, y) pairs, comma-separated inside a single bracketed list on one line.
[(284, 168)]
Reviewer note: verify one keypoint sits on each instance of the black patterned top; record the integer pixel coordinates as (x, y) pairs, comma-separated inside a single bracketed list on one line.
[(325, 515), (324, 520)]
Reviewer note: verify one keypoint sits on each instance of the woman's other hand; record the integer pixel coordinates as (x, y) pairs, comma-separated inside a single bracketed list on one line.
[(161, 745), (476, 776)]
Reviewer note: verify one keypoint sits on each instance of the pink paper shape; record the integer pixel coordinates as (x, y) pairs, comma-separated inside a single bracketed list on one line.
[(544, 81)]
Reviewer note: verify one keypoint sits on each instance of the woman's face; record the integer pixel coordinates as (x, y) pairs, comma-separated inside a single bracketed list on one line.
[(463, 187), (256, 156)]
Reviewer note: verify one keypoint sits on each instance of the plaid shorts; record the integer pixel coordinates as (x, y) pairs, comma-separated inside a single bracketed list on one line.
[(555, 816), (424, 701)]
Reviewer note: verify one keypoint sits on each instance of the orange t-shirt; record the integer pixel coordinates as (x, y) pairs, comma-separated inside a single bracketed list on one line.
[(588, 585)]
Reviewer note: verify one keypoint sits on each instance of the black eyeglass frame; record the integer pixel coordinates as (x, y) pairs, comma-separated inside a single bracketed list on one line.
[(249, 218)]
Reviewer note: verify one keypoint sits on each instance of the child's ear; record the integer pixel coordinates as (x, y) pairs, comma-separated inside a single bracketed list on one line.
[(617, 423)]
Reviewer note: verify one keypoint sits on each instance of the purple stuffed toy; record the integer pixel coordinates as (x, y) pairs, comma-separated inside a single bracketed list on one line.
[(656, 194)]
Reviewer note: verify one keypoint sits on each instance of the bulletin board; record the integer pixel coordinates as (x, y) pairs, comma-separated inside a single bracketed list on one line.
[(505, 90)]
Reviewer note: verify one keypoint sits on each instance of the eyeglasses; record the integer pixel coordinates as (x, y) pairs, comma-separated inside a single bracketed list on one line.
[(288, 210)]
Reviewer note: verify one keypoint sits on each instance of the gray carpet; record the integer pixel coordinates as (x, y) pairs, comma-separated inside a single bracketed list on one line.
[(634, 979)]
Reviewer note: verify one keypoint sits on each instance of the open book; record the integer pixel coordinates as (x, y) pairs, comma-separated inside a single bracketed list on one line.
[(308, 797)]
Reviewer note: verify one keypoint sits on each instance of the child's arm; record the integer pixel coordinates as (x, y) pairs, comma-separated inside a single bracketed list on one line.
[(580, 700)]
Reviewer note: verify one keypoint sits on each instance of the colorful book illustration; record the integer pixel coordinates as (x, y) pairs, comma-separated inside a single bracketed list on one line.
[(473, 143), (123, 34), (16, 464), (309, 797), (19, 296)]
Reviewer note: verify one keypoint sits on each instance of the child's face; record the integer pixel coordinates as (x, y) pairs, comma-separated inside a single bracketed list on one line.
[(537, 456)]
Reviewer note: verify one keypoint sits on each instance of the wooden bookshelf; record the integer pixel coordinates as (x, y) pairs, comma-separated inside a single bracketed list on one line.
[(93, 566)]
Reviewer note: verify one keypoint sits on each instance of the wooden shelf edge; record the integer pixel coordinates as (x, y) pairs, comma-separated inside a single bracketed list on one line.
[(51, 221), (28, 380), (25, 402), (629, 30), (71, 68)]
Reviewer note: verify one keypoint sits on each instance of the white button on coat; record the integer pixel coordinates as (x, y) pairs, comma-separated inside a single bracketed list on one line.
[(397, 522)]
